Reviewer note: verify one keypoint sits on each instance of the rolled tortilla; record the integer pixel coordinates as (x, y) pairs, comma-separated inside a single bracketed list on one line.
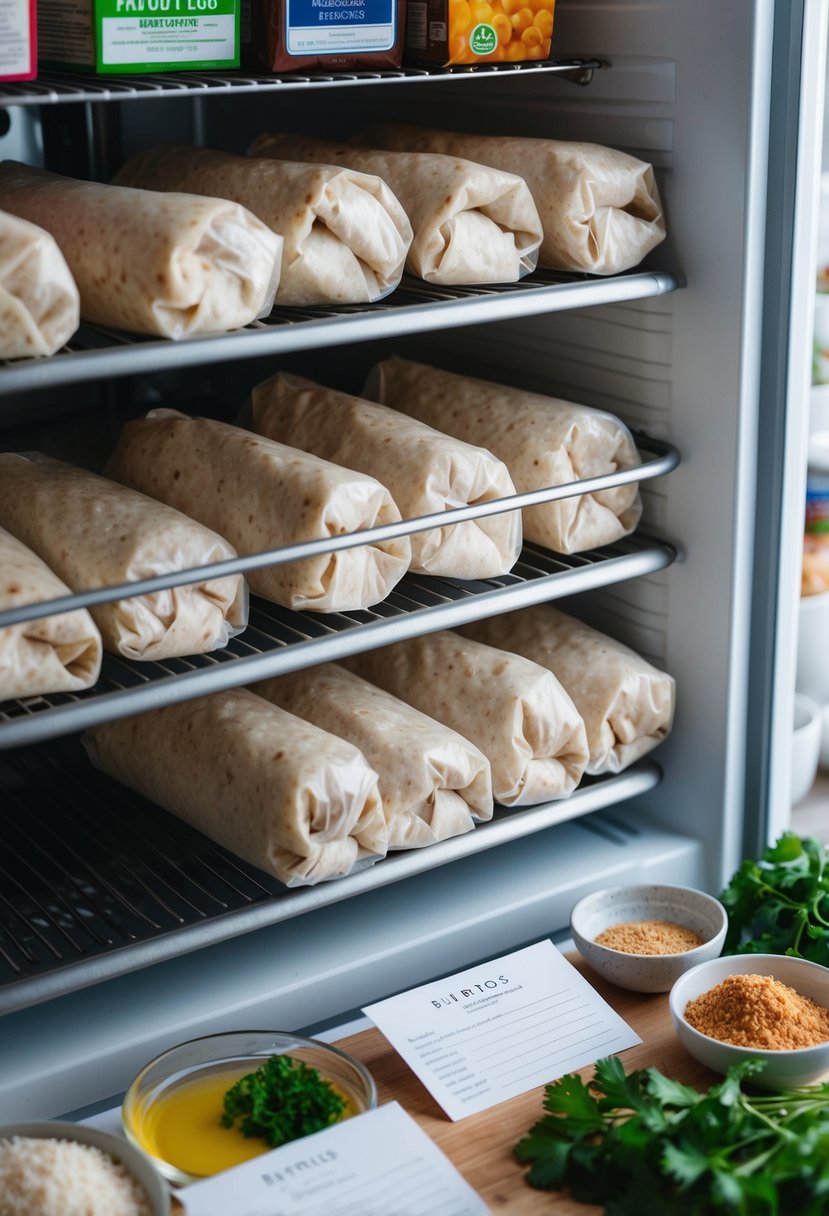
[(543, 441), (39, 302), (600, 208), (168, 264), (471, 223), (277, 791), (95, 533), (59, 653), (423, 470), (516, 712), (627, 705), (261, 495), (345, 234), (434, 783)]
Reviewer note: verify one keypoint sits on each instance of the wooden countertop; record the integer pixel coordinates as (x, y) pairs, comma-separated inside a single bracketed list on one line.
[(481, 1145)]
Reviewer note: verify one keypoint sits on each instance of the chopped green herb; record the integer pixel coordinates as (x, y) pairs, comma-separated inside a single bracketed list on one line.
[(644, 1145), (780, 904), (281, 1101)]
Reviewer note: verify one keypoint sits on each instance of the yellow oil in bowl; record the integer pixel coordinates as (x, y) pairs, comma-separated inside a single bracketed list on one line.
[(175, 1114)]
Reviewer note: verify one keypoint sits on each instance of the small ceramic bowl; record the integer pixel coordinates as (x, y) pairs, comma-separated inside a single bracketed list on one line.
[(172, 1108), (808, 726), (137, 1163), (783, 1068), (684, 906)]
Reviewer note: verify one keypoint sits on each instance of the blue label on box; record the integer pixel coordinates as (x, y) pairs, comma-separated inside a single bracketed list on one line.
[(340, 27)]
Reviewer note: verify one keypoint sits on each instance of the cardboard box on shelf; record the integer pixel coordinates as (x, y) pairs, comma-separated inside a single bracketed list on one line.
[(295, 35), (125, 36), (18, 40), (449, 32)]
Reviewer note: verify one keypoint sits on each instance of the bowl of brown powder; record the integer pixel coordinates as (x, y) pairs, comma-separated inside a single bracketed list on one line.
[(645, 937), (764, 1006)]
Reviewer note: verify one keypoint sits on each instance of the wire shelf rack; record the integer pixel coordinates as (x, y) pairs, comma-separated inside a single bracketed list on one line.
[(97, 882)]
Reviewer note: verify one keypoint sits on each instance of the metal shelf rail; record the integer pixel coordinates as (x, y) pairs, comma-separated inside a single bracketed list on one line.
[(278, 640), (98, 882), (53, 88), (414, 307)]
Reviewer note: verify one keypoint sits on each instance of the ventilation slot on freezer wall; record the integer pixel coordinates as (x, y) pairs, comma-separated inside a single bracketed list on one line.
[(97, 882)]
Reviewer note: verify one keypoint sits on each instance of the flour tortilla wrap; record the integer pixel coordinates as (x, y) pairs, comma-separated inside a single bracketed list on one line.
[(94, 533), (627, 705), (262, 495), (434, 783), (600, 208), (472, 224), (39, 302), (345, 234), (52, 654), (543, 441), (516, 712), (167, 264), (283, 794), (423, 470)]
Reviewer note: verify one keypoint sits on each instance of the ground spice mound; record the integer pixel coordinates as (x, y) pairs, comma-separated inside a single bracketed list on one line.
[(649, 937), (758, 1011)]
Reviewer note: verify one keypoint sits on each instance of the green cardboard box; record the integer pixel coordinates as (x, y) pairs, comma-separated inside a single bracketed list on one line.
[(118, 36)]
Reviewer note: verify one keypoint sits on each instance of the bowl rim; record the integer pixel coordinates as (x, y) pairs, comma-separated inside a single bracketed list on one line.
[(651, 886), (298, 1039), (774, 1053)]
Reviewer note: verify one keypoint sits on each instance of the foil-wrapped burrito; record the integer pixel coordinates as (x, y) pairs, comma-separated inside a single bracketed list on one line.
[(627, 704), (434, 783), (515, 711), (280, 793), (60, 653), (167, 264), (39, 302), (600, 208), (93, 533), (345, 234), (261, 495), (424, 470), (543, 441), (471, 223)]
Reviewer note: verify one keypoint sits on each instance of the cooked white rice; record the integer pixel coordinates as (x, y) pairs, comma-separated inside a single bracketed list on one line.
[(65, 1178)]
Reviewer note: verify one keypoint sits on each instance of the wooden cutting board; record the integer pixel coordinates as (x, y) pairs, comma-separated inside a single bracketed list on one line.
[(481, 1145)]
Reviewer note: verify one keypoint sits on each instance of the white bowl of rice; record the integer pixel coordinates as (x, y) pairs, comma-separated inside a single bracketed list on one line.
[(67, 1169)]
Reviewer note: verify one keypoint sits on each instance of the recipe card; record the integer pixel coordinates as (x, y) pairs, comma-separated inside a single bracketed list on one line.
[(496, 1030), (378, 1164)]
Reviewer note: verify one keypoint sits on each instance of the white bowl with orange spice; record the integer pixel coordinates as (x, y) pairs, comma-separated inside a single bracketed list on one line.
[(769, 1007), (645, 937)]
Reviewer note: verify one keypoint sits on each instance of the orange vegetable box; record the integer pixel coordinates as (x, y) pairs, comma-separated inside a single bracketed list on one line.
[(450, 32)]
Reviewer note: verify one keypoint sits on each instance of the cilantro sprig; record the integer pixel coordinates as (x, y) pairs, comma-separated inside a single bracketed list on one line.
[(644, 1145), (281, 1101), (780, 904)]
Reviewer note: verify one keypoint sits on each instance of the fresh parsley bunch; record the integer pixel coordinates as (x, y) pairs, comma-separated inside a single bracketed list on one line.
[(281, 1101), (780, 904), (644, 1145)]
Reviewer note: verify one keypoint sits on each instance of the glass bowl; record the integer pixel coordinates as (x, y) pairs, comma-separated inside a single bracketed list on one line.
[(173, 1106)]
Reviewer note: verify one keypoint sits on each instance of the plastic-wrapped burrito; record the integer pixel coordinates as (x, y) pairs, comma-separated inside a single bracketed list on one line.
[(262, 494), (59, 653), (516, 712), (424, 470), (543, 442), (434, 783), (600, 208), (471, 223), (346, 235), (280, 793), (168, 264), (93, 533), (627, 705), (39, 302)]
